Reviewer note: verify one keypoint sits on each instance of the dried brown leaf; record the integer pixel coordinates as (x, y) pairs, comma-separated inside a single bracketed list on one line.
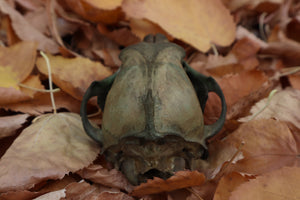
[(239, 90), (227, 184), (25, 31), (20, 58), (11, 92), (236, 4), (295, 81), (108, 12), (9, 124), (73, 75), (181, 179), (217, 28), (143, 27), (269, 145), (20, 195), (284, 106), (122, 36), (276, 185), (110, 178), (54, 145), (42, 104)]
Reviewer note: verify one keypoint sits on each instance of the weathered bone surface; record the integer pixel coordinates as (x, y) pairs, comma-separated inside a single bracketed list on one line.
[(152, 111)]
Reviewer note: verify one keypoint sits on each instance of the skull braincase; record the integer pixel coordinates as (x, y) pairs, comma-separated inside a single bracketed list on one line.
[(152, 97)]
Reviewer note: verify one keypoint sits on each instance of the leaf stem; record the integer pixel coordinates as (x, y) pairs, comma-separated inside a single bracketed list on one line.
[(215, 50), (38, 90), (266, 105), (50, 81)]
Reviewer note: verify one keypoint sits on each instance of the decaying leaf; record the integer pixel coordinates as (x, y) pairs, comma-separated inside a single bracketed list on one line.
[(276, 185), (26, 31), (42, 104), (284, 106), (227, 184), (295, 81), (73, 75), (20, 58), (11, 92), (54, 145), (9, 124), (198, 23), (107, 12), (236, 4), (181, 179), (110, 178), (269, 145), (143, 27), (239, 90), (83, 190), (55, 195)]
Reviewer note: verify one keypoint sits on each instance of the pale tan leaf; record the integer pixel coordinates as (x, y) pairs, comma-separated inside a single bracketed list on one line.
[(55, 195), (9, 124), (19, 57), (284, 106), (268, 145), (54, 145)]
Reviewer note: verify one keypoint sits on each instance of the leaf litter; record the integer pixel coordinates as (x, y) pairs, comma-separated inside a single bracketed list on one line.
[(256, 49)]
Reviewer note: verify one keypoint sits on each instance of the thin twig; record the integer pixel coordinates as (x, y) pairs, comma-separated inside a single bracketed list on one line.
[(222, 171), (50, 80), (37, 89), (265, 106), (194, 193), (215, 50)]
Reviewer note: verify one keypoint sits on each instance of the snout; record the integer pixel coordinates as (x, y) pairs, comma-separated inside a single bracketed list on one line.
[(139, 170)]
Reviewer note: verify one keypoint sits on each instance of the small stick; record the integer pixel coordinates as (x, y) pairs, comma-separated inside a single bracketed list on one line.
[(37, 89), (50, 80), (266, 105)]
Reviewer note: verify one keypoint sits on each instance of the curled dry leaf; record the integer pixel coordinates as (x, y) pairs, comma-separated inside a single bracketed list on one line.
[(42, 104), (284, 106), (25, 31), (276, 185), (110, 178), (9, 124), (217, 28), (73, 75), (55, 143), (20, 195), (227, 184), (181, 179), (107, 12), (269, 145), (236, 4)]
